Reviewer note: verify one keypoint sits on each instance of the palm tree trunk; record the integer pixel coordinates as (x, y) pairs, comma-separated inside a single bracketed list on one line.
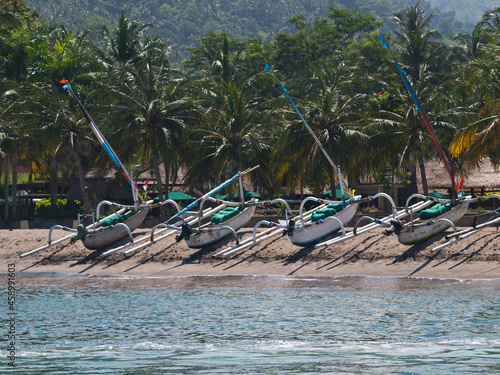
[(167, 176), (81, 176), (156, 167), (423, 175), (302, 185), (53, 184), (393, 181)]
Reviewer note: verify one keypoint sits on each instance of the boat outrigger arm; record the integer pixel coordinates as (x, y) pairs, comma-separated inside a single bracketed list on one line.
[(215, 190), (335, 167), (459, 235), (447, 164), (288, 227)]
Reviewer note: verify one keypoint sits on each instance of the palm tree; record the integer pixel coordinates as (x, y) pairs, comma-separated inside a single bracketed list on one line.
[(424, 60), (51, 119), (150, 99), (219, 58), (398, 131), (418, 45), (234, 136), (10, 150), (471, 45), (480, 138), (396, 127), (333, 113), (231, 136), (491, 20), (47, 114), (124, 41)]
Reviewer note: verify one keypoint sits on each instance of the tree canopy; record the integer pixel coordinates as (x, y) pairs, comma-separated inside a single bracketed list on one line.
[(221, 112)]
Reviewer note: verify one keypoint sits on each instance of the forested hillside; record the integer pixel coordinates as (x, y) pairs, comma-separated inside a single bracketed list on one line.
[(183, 23), (465, 10)]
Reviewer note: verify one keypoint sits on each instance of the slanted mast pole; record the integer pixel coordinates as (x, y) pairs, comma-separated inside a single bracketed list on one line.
[(447, 164), (335, 167), (100, 137)]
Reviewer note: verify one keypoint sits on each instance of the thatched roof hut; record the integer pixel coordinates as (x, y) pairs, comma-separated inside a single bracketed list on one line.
[(108, 185), (112, 186), (486, 176)]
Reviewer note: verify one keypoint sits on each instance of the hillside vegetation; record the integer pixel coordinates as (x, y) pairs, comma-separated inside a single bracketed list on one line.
[(183, 23)]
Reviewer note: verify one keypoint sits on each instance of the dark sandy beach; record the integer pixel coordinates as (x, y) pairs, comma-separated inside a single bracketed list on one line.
[(369, 254)]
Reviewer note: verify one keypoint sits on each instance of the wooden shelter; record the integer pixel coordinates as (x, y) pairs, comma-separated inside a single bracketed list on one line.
[(486, 178)]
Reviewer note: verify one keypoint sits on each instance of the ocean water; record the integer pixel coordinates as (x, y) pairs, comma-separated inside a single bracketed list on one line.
[(68, 324)]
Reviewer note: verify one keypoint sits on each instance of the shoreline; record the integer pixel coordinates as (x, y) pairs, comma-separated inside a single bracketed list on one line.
[(371, 254)]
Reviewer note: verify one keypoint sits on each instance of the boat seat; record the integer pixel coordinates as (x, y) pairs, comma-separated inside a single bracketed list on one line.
[(434, 211), (224, 214), (324, 212), (117, 219)]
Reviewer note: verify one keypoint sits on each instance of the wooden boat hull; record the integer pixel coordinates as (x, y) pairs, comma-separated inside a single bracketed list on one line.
[(426, 230), (316, 232), (106, 236), (216, 233)]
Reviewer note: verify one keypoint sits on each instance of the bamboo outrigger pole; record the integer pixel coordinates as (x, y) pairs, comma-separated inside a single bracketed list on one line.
[(447, 164), (335, 167), (100, 137), (212, 192)]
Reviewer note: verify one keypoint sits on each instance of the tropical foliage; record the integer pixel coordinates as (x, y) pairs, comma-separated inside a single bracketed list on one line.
[(220, 113)]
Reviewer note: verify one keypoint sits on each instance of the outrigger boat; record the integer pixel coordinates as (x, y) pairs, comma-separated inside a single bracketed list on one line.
[(387, 221), (431, 221), (459, 235), (306, 229), (225, 219), (445, 212), (104, 232)]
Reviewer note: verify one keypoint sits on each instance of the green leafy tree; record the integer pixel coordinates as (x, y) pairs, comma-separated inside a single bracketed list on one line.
[(319, 42), (150, 97), (123, 42), (333, 113), (234, 136)]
